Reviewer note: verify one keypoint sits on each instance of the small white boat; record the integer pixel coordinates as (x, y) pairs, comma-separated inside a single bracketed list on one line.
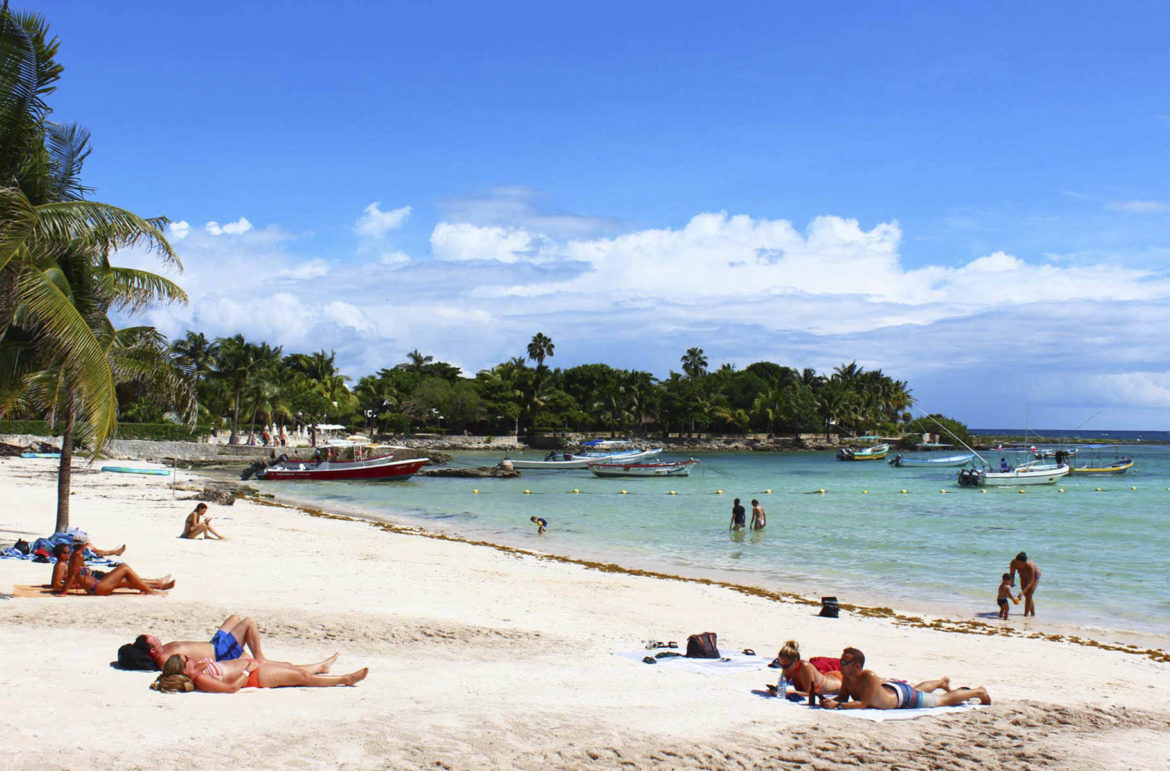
[(1034, 473), (875, 452), (936, 461), (624, 469), (557, 461)]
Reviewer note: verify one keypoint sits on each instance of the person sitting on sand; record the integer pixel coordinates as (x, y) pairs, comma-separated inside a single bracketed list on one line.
[(71, 571), (199, 524), (869, 691), (226, 644), (182, 674), (1029, 578), (541, 524), (820, 673)]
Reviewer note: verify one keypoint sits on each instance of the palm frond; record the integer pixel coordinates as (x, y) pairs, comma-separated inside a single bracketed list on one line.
[(18, 219), (133, 290), (99, 225), (68, 145)]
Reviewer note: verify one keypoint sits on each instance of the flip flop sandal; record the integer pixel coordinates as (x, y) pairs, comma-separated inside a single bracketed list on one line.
[(667, 655), (775, 664), (748, 652), (672, 644), (649, 660)]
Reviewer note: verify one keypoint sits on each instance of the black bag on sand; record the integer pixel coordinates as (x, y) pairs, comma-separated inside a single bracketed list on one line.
[(130, 657), (829, 607), (702, 646)]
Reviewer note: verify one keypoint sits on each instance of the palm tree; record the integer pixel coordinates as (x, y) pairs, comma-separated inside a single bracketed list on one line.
[(238, 362), (195, 355), (694, 362), (540, 348), (43, 216), (415, 361)]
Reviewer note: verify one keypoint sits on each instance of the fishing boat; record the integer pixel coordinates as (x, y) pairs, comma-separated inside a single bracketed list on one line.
[(931, 461), (1031, 473), (1096, 465), (557, 461), (382, 467), (625, 469), (870, 452)]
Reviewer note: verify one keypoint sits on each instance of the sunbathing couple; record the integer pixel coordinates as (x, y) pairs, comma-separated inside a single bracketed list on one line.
[(858, 688), (220, 666), (71, 571)]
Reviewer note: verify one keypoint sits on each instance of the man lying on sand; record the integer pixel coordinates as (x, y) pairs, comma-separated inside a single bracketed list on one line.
[(869, 691), (225, 645), (182, 674), (71, 570)]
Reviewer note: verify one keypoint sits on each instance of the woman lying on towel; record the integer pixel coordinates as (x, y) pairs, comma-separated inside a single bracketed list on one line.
[(182, 673), (71, 571), (820, 674)]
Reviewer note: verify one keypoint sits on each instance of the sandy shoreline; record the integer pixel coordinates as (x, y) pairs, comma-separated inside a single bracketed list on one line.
[(485, 658)]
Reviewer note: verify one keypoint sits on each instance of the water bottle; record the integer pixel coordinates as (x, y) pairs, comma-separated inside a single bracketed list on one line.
[(782, 687)]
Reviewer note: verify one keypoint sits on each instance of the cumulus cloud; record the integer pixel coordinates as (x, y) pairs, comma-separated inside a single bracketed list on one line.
[(178, 230), (236, 228), (742, 288), (518, 206), (375, 223)]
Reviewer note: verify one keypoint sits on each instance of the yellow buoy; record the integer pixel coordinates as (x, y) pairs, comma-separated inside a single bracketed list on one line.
[(623, 492), (575, 491), (1133, 488), (821, 491), (1062, 489), (944, 492), (475, 491), (719, 492), (1098, 489), (983, 491), (1023, 491), (865, 492), (672, 492), (903, 491), (528, 492), (767, 492)]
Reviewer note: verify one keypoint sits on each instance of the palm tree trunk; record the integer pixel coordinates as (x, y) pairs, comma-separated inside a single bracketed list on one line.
[(65, 472), (235, 437)]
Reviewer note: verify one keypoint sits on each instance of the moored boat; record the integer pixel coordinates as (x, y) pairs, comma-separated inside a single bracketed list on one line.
[(623, 469), (1034, 473), (936, 461), (383, 467), (872, 452), (556, 461), (1095, 464)]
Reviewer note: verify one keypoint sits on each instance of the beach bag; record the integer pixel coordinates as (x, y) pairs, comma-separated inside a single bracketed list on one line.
[(22, 546), (702, 646), (132, 657), (829, 607)]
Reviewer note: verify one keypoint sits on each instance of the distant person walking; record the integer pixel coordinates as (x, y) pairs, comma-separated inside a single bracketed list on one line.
[(1029, 577), (759, 519), (738, 516)]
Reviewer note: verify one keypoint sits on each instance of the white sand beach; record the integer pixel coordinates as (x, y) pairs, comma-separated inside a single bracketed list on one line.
[(482, 657)]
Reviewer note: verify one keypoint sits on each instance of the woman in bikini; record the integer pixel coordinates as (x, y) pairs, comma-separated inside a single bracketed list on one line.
[(820, 674), (182, 673), (71, 571)]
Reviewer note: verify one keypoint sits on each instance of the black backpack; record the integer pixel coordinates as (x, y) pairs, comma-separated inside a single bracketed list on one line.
[(702, 646)]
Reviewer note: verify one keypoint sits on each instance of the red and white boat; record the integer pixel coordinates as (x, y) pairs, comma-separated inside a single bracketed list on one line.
[(382, 467)]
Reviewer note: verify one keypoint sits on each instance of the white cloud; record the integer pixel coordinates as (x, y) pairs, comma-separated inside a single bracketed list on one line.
[(375, 223), (1140, 207), (179, 230), (516, 206), (236, 228), (461, 241), (395, 258)]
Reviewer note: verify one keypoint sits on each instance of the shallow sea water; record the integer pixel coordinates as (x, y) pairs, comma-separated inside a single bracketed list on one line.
[(1104, 555)]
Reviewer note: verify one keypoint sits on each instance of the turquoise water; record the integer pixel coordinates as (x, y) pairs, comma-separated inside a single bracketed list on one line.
[(1105, 555)]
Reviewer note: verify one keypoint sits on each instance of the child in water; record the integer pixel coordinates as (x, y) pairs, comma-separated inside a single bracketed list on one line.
[(1005, 594), (541, 525)]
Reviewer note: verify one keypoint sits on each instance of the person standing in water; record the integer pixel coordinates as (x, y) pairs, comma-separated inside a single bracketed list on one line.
[(759, 519), (541, 524), (738, 516), (1029, 577)]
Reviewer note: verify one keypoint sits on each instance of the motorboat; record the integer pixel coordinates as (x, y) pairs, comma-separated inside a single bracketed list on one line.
[(1033, 473), (1094, 464), (382, 467), (870, 452), (556, 461), (931, 461), (626, 469)]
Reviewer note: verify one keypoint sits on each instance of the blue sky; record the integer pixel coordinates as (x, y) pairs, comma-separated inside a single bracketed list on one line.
[(974, 198)]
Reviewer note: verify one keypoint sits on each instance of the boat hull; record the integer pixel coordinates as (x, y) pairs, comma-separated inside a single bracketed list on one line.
[(877, 452), (941, 462), (375, 469), (579, 461), (1027, 475), (1113, 468), (642, 470)]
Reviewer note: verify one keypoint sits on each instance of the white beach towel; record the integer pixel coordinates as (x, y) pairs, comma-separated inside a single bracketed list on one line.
[(737, 662)]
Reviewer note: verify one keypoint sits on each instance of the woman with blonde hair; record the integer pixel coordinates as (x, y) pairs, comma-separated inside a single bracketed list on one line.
[(181, 674), (820, 674)]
